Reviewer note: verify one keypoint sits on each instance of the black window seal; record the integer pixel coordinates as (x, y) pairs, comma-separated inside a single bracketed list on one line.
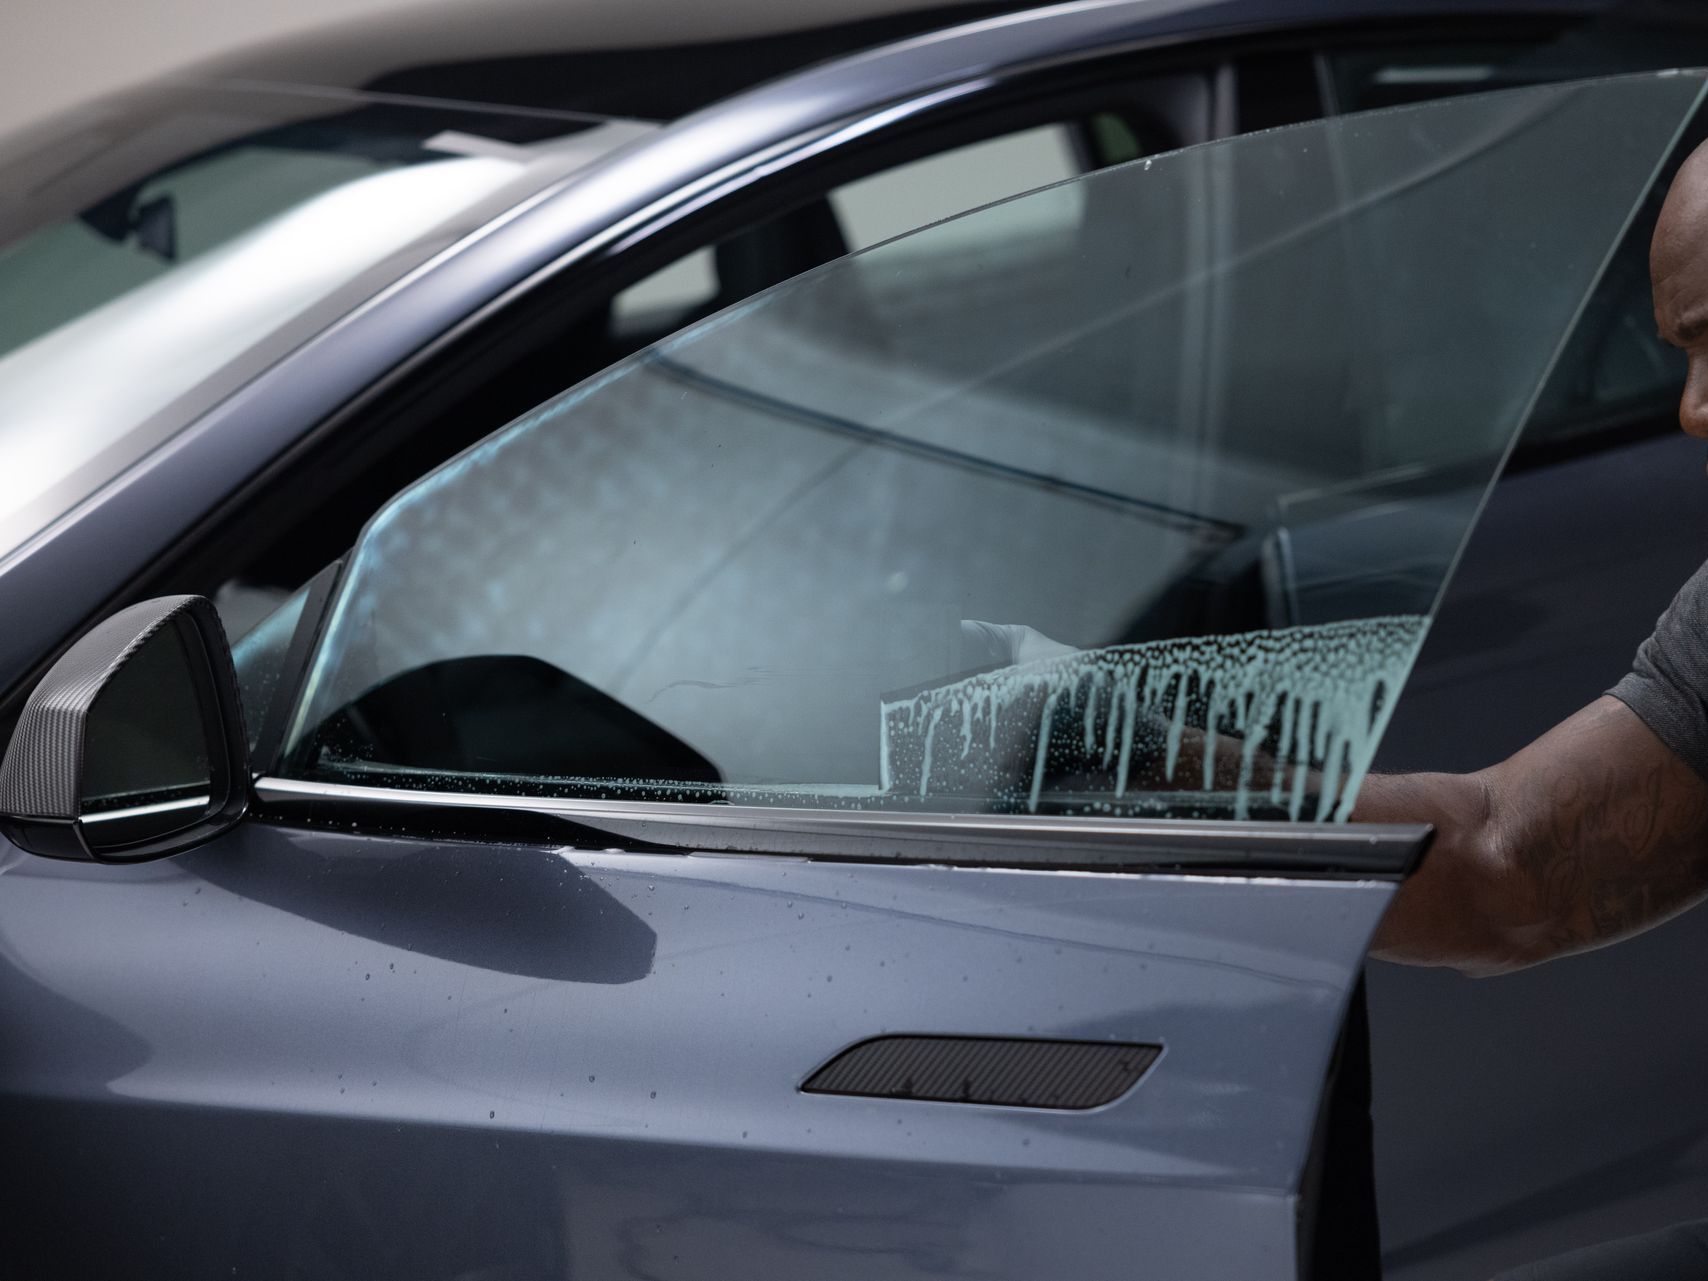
[(1201, 847), (294, 666)]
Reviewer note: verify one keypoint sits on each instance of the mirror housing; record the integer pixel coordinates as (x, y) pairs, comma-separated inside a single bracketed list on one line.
[(132, 747)]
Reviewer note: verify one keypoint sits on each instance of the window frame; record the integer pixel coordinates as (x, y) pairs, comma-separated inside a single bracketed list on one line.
[(472, 356), (482, 346), (810, 832)]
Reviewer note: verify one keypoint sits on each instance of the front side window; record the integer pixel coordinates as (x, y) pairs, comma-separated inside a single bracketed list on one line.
[(1157, 531), (883, 205), (1618, 373)]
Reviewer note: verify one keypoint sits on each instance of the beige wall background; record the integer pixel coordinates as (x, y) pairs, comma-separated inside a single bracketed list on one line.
[(54, 53)]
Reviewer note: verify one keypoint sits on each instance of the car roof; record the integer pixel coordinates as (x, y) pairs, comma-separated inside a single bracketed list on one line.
[(659, 59)]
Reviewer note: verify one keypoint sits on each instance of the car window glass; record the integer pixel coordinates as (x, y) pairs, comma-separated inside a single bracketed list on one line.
[(1363, 79), (259, 654), (156, 252), (887, 204), (1617, 372), (659, 301), (1152, 523), (1274, 89), (1360, 76), (875, 208)]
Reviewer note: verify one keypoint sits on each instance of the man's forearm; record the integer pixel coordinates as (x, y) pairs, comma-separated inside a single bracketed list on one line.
[(1592, 833), (1454, 910)]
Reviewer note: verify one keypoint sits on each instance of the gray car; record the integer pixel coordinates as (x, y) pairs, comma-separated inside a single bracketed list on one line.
[(857, 788)]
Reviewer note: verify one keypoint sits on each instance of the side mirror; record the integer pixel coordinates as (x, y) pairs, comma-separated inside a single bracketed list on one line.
[(132, 747)]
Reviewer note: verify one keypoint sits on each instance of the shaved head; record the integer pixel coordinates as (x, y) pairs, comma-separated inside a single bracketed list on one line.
[(1678, 273)]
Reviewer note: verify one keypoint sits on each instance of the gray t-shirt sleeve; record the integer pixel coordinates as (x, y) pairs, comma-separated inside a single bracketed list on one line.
[(1668, 683)]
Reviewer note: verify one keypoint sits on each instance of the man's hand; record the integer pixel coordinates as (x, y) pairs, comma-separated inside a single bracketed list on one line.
[(1594, 832)]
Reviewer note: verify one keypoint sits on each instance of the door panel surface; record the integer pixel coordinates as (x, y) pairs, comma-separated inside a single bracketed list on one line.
[(342, 1055)]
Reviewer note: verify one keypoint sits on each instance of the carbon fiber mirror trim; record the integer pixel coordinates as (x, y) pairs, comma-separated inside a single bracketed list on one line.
[(43, 773)]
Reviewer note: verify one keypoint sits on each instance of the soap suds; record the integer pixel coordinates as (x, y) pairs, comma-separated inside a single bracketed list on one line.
[(1285, 708)]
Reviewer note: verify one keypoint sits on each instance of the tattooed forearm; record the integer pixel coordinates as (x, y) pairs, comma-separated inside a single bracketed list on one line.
[(1610, 829), (1592, 833)]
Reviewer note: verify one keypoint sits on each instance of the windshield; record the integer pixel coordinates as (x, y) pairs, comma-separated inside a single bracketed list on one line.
[(1140, 505), (158, 251)]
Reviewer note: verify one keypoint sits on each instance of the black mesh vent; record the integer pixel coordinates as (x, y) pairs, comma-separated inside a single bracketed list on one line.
[(965, 1069)]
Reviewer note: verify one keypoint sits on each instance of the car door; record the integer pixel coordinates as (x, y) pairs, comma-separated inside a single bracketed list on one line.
[(861, 788)]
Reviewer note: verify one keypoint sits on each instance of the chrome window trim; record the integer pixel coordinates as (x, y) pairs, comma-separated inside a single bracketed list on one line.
[(1362, 851), (142, 811)]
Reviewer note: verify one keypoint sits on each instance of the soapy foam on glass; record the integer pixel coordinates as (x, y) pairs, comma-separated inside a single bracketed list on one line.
[(1302, 707), (1296, 713)]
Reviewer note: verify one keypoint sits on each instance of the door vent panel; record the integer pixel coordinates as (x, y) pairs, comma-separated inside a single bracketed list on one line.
[(1014, 1073)]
